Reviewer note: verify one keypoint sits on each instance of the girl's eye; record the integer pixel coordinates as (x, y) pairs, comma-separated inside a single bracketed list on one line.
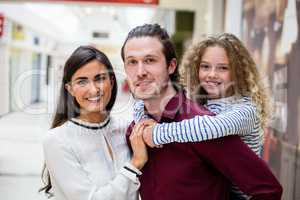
[(204, 66), (223, 68)]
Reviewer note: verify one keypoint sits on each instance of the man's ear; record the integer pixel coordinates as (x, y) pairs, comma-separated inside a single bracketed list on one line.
[(172, 66), (69, 89)]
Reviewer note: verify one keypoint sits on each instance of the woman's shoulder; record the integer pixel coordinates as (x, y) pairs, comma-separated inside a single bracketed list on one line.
[(55, 135), (119, 124)]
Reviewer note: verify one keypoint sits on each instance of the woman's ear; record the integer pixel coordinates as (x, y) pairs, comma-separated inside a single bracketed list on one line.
[(69, 89), (172, 66), (112, 81)]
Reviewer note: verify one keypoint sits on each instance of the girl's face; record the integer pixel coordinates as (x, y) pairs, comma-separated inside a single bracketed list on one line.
[(214, 73), (91, 86)]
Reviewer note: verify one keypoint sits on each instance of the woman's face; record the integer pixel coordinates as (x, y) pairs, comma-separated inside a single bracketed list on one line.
[(91, 86), (214, 73)]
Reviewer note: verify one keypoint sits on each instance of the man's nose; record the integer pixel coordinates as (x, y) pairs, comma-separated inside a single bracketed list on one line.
[(141, 71)]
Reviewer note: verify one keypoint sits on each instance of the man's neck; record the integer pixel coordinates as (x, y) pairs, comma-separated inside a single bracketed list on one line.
[(156, 106)]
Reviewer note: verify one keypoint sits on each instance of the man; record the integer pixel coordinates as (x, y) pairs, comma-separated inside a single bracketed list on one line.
[(186, 170)]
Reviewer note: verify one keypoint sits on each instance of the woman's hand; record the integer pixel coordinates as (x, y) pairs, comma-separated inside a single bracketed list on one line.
[(140, 155)]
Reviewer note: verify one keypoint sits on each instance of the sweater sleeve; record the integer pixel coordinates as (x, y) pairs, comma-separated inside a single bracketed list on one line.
[(239, 120), (241, 166), (71, 179)]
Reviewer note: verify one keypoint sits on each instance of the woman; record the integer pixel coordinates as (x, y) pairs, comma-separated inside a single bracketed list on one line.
[(220, 73), (85, 150)]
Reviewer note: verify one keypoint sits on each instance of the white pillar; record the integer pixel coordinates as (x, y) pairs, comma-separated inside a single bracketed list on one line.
[(4, 79)]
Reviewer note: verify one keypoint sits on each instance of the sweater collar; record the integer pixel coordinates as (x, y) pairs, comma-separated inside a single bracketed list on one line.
[(90, 125), (226, 100)]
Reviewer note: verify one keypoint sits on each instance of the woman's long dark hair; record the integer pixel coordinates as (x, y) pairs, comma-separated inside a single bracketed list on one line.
[(67, 106)]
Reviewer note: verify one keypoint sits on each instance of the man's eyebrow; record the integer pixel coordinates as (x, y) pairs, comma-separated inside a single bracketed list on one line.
[(151, 55), (129, 57), (146, 56)]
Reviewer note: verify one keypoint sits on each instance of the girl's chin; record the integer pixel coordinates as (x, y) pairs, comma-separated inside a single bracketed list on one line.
[(213, 93), (213, 96)]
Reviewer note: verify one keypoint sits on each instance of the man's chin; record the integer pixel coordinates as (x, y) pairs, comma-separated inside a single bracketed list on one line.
[(144, 96)]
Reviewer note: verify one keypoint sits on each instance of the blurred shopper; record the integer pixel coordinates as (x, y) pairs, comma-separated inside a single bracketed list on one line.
[(221, 74), (198, 170), (85, 151)]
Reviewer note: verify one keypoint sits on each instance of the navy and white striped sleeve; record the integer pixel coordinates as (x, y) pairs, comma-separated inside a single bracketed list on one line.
[(239, 120), (139, 111)]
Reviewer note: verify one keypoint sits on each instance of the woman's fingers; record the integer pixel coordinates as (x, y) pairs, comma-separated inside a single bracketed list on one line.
[(148, 122), (137, 131), (142, 131), (138, 145), (137, 134)]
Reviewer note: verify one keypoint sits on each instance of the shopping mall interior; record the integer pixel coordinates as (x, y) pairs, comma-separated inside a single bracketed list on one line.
[(37, 37)]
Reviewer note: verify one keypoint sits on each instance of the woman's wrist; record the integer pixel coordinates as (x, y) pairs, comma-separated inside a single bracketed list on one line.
[(137, 163), (131, 172)]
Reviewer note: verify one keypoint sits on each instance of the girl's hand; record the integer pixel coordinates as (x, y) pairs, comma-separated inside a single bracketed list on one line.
[(148, 130), (140, 155)]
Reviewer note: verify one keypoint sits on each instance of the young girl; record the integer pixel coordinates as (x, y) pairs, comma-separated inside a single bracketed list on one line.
[(85, 151), (220, 73)]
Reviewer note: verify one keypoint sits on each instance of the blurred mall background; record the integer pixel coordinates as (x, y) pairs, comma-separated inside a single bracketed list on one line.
[(37, 36)]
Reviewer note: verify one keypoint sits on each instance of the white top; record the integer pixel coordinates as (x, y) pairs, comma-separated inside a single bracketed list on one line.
[(81, 167)]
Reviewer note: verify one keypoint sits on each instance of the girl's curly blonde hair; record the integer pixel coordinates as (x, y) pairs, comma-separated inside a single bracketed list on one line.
[(242, 66)]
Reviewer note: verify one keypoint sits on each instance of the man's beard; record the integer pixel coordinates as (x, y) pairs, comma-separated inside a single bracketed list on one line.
[(153, 93), (147, 95)]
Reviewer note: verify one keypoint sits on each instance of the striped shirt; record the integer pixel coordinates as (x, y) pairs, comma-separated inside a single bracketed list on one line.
[(236, 115)]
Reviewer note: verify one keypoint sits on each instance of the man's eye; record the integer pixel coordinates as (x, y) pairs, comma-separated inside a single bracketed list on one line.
[(149, 60), (131, 62)]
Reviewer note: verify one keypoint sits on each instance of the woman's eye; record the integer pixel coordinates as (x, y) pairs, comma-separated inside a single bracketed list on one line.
[(100, 78), (82, 82)]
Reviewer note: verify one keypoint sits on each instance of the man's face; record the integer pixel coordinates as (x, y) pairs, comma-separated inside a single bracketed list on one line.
[(146, 67)]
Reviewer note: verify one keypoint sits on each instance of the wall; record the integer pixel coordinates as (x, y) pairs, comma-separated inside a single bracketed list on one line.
[(19, 46), (270, 30)]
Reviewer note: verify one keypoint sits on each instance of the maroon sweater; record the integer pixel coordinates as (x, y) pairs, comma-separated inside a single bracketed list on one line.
[(203, 170)]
